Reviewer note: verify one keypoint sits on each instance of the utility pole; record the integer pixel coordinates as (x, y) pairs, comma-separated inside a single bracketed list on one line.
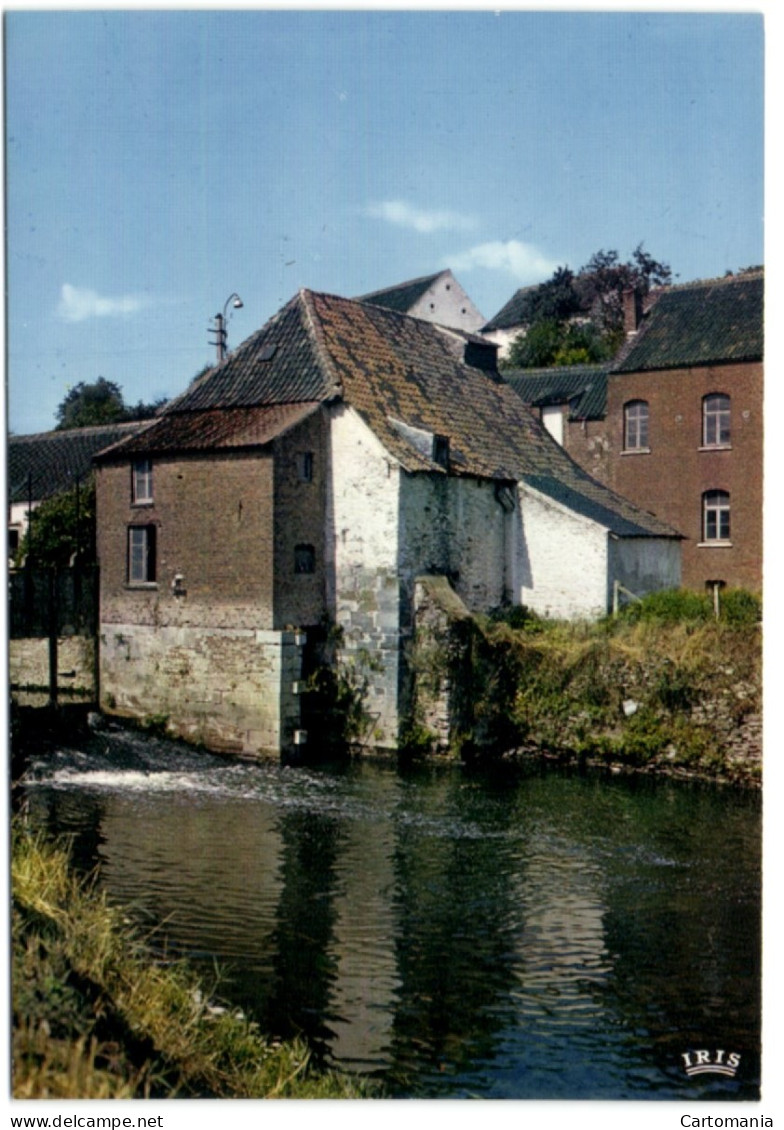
[(219, 329)]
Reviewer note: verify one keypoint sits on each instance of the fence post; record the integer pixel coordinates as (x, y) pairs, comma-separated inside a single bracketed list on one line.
[(53, 627)]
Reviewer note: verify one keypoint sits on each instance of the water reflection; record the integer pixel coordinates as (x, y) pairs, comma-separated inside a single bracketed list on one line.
[(519, 936)]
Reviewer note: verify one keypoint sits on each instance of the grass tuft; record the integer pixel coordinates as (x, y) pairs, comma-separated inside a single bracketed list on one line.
[(94, 1016)]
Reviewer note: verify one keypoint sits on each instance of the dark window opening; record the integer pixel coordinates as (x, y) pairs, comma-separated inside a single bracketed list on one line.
[(304, 559), (441, 450), (305, 466)]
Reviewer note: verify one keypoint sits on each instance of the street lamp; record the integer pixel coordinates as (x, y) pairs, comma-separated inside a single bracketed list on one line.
[(219, 329)]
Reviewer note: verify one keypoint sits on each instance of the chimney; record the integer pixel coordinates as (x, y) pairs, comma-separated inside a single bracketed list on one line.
[(632, 311)]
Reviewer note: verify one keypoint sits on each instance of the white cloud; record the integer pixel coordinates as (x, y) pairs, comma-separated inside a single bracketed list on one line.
[(521, 260), (420, 219), (78, 303)]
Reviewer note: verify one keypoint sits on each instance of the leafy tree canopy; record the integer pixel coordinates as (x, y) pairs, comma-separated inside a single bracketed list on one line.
[(62, 526), (553, 335), (100, 402)]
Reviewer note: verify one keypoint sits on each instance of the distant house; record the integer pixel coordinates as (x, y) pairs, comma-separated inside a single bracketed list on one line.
[(514, 317), (339, 453), (47, 463), (685, 423), (435, 298)]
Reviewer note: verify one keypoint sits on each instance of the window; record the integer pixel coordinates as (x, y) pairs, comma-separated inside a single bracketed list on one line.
[(305, 466), (635, 426), (13, 541), (715, 420), (441, 450), (716, 516), (304, 559), (142, 481), (141, 555)]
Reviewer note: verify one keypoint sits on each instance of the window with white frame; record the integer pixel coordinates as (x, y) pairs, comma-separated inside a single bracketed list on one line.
[(141, 555), (141, 481), (715, 420), (715, 516), (635, 425)]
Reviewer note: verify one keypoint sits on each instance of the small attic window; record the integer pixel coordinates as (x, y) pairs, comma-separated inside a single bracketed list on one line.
[(267, 352), (441, 450)]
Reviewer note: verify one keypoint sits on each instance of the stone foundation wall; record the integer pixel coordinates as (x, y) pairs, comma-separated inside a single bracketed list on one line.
[(231, 690), (28, 670)]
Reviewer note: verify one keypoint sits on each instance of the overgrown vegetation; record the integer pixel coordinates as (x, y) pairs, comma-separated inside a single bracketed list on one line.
[(574, 319), (336, 692), (62, 526), (95, 1016), (664, 685), (90, 403)]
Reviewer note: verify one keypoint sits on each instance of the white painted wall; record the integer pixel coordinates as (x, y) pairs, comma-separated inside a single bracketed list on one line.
[(560, 559), (363, 587), (456, 527), (553, 420), (446, 303)]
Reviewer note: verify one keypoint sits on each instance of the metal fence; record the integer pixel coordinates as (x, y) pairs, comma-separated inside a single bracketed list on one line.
[(44, 601)]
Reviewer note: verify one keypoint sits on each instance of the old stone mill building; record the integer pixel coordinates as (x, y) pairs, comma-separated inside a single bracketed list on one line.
[(339, 454)]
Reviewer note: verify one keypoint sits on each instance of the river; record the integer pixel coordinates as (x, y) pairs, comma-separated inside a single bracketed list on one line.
[(523, 934)]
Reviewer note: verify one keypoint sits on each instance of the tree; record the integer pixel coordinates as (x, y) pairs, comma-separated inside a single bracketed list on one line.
[(553, 336), (62, 526), (100, 402)]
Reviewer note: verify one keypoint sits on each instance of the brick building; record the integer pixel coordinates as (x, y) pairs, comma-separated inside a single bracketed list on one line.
[(675, 422), (685, 424), (339, 453)]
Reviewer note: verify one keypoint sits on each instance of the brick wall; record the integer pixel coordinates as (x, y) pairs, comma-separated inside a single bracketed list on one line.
[(205, 659), (214, 522), (300, 502), (670, 479)]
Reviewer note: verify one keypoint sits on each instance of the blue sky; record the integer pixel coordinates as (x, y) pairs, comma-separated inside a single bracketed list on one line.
[(157, 162)]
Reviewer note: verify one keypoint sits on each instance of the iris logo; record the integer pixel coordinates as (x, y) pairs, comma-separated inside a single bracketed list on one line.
[(717, 1062)]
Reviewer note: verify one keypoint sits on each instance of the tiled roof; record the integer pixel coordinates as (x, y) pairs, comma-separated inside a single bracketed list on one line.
[(213, 429), (405, 377), (279, 364), (584, 387), (517, 311), (44, 464), (514, 313), (700, 323), (402, 296)]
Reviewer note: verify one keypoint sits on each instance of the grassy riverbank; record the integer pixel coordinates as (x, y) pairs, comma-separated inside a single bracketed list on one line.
[(95, 1016), (665, 687)]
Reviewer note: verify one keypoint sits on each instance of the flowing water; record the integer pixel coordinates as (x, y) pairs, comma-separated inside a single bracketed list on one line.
[(508, 935)]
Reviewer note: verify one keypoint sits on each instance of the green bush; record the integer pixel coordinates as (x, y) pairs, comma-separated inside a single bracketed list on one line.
[(741, 607), (670, 606)]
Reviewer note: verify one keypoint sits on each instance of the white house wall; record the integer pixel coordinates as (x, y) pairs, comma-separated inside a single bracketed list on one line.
[(455, 527), (363, 587), (446, 303), (559, 560)]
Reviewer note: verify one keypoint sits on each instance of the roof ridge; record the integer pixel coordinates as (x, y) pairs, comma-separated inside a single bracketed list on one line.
[(315, 329), (402, 285)]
